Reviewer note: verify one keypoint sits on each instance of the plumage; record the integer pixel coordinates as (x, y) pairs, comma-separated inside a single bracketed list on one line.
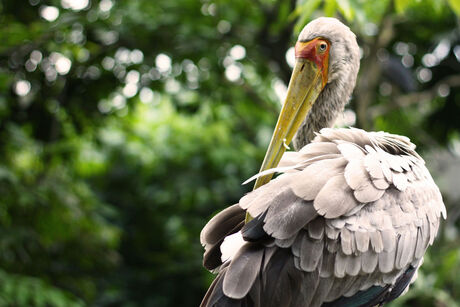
[(353, 265), (362, 241), (286, 218), (242, 271), (311, 252), (376, 241), (340, 264), (321, 171), (369, 261), (350, 151), (388, 236), (316, 228), (347, 221), (333, 200), (225, 223)]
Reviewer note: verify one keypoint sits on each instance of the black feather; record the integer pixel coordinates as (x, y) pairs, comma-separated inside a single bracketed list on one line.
[(281, 281), (375, 295), (401, 284), (212, 256), (366, 298), (254, 231), (222, 224)]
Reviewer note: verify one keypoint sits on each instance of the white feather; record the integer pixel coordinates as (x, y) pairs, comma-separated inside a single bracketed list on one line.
[(231, 246)]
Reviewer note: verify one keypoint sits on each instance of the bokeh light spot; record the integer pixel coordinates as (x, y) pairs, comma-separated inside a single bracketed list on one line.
[(76, 5), (49, 13), (22, 87)]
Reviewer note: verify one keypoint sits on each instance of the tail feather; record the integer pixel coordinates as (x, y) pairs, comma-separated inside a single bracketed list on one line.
[(219, 226), (215, 296), (243, 270), (227, 222), (255, 271)]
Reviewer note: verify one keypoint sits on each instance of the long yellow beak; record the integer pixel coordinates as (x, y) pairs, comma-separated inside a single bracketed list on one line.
[(305, 85)]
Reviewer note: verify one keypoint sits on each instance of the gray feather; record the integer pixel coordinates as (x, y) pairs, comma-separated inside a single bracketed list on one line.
[(386, 171), (358, 179), (369, 261), (335, 198), (310, 254), (346, 239), (285, 243), (219, 226), (322, 291), (388, 238), (331, 232), (339, 287), (356, 175), (380, 183), (242, 271), (308, 288), (372, 165), (340, 264), (387, 261), (287, 215), (368, 194), (353, 265), (268, 253), (402, 250), (316, 228), (350, 151), (332, 245), (362, 241), (419, 246), (376, 241), (310, 181), (327, 265), (319, 148), (259, 200)]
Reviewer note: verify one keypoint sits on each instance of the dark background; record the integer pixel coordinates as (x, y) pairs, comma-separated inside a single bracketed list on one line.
[(124, 125)]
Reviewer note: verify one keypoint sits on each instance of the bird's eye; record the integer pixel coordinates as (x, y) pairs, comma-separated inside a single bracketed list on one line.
[(322, 46)]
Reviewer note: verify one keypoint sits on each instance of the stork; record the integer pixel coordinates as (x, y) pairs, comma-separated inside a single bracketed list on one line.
[(348, 220)]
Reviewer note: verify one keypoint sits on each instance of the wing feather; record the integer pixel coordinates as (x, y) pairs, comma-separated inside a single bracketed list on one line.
[(307, 183), (243, 271), (335, 198), (287, 215), (310, 254)]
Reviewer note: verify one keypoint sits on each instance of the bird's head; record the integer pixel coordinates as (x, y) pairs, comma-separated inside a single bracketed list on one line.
[(327, 55)]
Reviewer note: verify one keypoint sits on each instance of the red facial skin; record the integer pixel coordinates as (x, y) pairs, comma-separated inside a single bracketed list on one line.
[(311, 51)]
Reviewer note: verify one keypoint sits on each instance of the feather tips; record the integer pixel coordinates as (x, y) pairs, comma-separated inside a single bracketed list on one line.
[(335, 198)]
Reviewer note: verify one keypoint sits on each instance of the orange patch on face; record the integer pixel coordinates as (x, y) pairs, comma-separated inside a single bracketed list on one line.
[(317, 51)]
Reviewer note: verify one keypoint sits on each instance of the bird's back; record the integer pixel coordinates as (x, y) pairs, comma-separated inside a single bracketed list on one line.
[(346, 224)]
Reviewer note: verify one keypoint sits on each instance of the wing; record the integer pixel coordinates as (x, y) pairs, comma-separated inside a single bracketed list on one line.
[(354, 209)]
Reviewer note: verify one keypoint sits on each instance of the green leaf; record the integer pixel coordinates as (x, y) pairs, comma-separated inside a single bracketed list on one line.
[(455, 5), (304, 11), (330, 7), (346, 9), (401, 5)]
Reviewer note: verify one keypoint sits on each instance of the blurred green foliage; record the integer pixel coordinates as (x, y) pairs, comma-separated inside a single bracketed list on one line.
[(124, 125)]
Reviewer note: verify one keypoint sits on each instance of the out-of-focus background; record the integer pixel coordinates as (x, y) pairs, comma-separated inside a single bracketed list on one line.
[(125, 125)]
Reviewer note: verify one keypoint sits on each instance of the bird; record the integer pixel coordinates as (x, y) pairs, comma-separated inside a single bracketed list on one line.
[(350, 215)]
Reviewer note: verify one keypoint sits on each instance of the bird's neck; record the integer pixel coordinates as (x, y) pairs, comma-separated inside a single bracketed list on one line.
[(329, 105)]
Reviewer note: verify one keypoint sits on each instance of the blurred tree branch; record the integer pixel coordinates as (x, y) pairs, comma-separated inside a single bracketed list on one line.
[(371, 72), (404, 101)]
